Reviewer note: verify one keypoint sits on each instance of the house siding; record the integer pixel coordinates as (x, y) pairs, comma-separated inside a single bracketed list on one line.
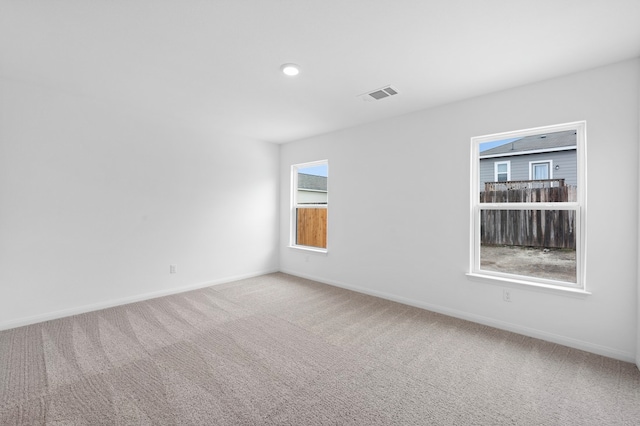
[(311, 197), (520, 166)]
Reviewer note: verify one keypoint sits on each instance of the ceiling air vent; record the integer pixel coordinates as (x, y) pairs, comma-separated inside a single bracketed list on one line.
[(378, 94)]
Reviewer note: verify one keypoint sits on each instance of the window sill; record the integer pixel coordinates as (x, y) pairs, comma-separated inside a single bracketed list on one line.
[(311, 249), (528, 284)]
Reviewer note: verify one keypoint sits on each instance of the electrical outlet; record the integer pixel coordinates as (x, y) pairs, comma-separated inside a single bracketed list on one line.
[(506, 295), (173, 269)]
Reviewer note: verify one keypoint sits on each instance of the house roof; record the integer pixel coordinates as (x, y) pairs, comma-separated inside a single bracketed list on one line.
[(312, 182), (557, 141)]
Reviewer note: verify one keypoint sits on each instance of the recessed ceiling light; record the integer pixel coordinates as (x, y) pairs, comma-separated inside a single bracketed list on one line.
[(290, 69)]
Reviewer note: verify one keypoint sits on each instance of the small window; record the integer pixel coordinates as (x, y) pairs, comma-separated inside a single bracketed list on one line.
[(502, 171), (309, 206), (540, 170), (528, 222)]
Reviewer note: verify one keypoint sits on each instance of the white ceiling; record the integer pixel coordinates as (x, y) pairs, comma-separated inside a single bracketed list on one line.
[(215, 64)]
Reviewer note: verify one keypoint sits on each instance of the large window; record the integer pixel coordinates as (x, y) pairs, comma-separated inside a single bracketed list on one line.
[(309, 203), (529, 227)]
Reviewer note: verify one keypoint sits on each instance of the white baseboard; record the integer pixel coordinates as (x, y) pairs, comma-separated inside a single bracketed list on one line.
[(503, 325), (126, 300)]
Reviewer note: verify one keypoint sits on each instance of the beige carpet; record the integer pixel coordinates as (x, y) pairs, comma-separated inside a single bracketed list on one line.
[(279, 350)]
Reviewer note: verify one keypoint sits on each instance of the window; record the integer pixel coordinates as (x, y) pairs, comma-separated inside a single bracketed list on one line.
[(540, 170), (528, 224), (502, 171), (309, 205)]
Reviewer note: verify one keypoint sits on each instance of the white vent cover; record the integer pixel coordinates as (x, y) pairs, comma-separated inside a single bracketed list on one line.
[(376, 95)]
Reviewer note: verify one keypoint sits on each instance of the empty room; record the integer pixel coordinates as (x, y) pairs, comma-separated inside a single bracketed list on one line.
[(302, 212)]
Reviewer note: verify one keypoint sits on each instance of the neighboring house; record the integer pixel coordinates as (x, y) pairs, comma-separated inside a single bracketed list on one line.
[(312, 189), (546, 156)]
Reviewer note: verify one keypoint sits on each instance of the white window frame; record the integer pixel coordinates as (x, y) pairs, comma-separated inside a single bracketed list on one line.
[(495, 170), (533, 163), (294, 206), (579, 207)]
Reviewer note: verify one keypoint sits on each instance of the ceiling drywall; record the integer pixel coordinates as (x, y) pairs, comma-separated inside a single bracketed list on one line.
[(215, 64)]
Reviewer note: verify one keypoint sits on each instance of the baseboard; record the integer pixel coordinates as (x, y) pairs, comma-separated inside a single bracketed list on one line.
[(126, 300), (502, 325)]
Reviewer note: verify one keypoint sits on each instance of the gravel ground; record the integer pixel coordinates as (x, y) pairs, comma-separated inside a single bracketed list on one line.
[(555, 264)]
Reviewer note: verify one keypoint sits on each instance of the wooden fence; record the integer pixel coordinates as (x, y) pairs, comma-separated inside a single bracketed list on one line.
[(524, 194), (523, 184), (311, 227), (532, 228)]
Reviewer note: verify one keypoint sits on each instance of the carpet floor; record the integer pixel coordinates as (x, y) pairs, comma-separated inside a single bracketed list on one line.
[(281, 350)]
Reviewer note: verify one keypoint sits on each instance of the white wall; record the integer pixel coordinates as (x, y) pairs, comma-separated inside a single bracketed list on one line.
[(96, 201), (638, 292), (384, 240)]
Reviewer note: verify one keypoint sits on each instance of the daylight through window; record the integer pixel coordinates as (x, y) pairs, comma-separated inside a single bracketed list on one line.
[(528, 210), (309, 205)]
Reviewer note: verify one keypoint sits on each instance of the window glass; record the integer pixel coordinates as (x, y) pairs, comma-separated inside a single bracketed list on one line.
[(524, 162), (528, 214), (531, 243), (502, 172), (310, 202), (312, 184)]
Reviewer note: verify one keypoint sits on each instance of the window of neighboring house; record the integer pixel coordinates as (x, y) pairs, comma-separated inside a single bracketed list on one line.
[(540, 170), (531, 231), (309, 205), (502, 171)]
